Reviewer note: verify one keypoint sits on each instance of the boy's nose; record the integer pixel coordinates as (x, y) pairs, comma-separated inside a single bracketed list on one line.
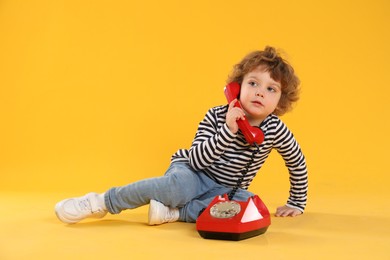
[(259, 93)]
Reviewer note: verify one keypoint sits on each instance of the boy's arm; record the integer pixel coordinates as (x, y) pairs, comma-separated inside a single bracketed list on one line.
[(290, 150), (212, 138)]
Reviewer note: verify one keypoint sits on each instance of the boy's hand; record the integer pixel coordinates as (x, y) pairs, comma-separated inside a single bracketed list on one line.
[(233, 114), (286, 211)]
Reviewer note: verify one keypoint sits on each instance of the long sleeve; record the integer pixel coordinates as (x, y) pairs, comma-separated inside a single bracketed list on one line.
[(290, 150), (210, 142)]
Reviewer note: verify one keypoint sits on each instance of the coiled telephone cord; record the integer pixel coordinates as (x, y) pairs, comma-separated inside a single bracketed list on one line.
[(244, 172)]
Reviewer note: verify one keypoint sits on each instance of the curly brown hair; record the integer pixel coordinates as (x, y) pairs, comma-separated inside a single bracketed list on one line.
[(280, 70)]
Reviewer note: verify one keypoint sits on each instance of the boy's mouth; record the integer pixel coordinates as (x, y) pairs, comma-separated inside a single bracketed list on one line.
[(257, 103)]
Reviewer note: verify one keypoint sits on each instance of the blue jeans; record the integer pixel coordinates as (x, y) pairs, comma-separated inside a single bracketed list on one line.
[(181, 187)]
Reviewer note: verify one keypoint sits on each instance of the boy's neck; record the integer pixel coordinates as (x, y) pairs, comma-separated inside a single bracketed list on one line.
[(255, 121)]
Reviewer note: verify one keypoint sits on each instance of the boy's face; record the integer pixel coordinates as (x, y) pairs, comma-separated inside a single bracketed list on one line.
[(259, 95)]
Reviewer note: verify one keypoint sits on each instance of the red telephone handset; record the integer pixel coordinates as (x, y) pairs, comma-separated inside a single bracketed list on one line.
[(252, 134)]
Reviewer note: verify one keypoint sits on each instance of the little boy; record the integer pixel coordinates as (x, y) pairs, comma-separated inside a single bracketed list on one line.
[(219, 153)]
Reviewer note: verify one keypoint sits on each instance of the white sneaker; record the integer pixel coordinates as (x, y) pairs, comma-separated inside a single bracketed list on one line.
[(159, 213), (75, 209)]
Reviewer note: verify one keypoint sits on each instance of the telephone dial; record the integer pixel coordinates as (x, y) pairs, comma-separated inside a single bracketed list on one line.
[(225, 218)]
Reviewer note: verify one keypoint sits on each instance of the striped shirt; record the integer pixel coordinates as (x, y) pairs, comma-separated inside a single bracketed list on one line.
[(222, 155)]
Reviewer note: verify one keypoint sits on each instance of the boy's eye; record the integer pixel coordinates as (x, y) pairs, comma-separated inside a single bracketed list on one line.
[(252, 83), (271, 89)]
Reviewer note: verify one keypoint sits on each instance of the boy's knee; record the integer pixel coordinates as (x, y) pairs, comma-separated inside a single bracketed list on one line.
[(182, 189)]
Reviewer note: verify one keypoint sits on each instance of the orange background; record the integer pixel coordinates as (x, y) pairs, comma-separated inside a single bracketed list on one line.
[(95, 94)]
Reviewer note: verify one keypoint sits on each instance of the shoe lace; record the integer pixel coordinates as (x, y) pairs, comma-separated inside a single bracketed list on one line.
[(170, 214), (87, 205)]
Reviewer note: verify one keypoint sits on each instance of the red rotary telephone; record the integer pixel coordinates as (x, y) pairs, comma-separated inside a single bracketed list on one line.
[(225, 218)]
